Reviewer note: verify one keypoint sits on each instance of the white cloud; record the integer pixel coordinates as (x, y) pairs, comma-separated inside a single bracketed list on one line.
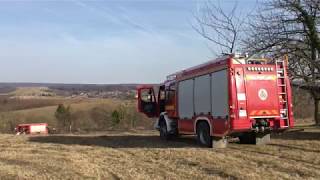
[(120, 18)]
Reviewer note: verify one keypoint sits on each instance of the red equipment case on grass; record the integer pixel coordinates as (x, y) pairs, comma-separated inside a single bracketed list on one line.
[(39, 128)]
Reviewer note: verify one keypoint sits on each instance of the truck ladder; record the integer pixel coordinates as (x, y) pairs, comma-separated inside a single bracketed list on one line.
[(282, 89)]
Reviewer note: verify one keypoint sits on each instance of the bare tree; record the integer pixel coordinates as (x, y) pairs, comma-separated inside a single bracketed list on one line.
[(291, 27), (221, 27)]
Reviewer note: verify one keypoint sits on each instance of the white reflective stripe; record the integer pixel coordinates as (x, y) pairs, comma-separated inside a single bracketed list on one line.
[(242, 113), (241, 96)]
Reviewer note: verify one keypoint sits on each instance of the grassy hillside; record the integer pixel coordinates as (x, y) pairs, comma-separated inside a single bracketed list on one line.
[(124, 91), (87, 115), (8, 104), (33, 91), (38, 104)]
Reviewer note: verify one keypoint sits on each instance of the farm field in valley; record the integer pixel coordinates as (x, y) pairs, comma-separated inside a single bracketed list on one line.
[(142, 155)]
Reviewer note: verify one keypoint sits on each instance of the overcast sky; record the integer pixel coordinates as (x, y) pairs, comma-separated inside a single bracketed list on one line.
[(111, 41)]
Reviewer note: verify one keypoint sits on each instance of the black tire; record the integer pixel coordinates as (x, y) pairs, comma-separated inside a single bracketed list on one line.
[(163, 130), (203, 135)]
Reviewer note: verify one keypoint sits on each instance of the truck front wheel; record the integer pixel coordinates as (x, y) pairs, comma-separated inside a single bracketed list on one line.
[(203, 134), (163, 130)]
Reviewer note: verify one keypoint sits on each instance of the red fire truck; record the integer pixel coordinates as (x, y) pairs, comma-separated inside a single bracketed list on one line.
[(38, 128), (232, 96)]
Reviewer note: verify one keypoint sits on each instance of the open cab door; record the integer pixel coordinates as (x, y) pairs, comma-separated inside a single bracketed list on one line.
[(147, 102)]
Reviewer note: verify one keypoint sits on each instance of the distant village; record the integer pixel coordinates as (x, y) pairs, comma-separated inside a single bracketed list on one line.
[(130, 94)]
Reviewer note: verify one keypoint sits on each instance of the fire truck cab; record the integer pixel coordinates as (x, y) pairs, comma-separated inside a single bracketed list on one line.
[(232, 96)]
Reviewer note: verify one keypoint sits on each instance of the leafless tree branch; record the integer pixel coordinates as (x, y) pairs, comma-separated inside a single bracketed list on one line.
[(222, 28)]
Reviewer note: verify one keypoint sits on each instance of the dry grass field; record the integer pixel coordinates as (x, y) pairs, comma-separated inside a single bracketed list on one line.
[(142, 155), (46, 112), (32, 92)]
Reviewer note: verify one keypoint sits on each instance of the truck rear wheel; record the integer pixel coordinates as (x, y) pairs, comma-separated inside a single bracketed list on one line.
[(254, 138), (203, 135)]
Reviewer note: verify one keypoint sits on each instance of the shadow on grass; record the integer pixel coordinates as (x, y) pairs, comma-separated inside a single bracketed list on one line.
[(118, 141), (153, 141), (299, 135)]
